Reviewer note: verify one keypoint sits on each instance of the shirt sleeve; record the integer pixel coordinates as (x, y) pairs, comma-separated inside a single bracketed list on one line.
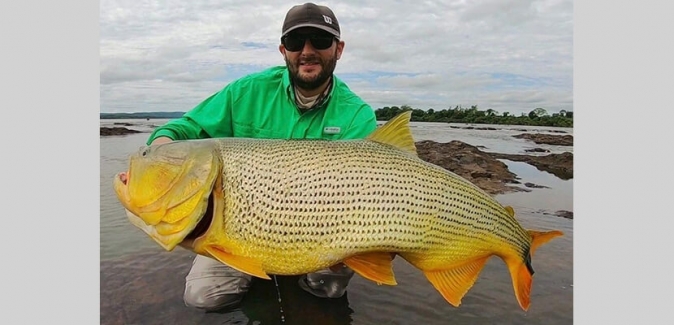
[(364, 122), (212, 118)]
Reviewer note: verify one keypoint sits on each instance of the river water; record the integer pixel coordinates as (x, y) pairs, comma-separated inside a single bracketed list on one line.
[(142, 284)]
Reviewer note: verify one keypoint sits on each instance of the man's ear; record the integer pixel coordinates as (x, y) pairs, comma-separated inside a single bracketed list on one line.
[(339, 49), (282, 49)]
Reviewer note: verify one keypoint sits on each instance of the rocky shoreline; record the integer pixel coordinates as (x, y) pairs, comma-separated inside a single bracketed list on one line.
[(117, 130)]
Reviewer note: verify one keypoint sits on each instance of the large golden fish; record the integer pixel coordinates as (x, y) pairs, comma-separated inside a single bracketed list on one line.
[(290, 207)]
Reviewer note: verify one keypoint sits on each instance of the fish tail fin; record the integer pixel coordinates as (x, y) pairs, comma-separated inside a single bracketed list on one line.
[(521, 270), (539, 238), (522, 277)]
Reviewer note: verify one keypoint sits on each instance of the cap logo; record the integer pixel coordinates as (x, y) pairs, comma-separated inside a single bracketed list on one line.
[(327, 19)]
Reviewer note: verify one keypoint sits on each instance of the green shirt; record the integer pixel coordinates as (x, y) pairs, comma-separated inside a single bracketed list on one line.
[(262, 105)]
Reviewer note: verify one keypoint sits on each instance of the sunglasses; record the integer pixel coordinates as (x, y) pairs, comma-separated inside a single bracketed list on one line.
[(294, 43)]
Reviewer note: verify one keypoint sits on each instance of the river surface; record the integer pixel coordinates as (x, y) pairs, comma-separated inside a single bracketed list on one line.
[(142, 284)]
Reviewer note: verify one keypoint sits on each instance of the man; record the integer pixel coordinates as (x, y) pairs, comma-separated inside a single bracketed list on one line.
[(301, 100)]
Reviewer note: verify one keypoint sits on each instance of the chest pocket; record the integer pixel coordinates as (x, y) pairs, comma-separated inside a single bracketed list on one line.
[(248, 131)]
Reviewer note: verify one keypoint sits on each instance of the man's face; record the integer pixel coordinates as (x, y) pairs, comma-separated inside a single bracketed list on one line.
[(311, 56)]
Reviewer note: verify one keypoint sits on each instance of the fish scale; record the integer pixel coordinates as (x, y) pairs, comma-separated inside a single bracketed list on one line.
[(290, 207)]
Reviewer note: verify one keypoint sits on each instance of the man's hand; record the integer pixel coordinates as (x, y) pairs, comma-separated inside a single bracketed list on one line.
[(161, 140)]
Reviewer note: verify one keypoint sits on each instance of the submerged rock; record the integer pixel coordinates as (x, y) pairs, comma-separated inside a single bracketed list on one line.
[(115, 130), (470, 163), (485, 170), (541, 138), (558, 164)]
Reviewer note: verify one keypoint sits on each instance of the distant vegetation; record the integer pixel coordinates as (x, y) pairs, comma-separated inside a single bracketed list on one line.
[(538, 116)]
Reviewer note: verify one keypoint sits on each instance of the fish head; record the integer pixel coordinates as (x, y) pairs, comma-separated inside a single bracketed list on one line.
[(167, 187)]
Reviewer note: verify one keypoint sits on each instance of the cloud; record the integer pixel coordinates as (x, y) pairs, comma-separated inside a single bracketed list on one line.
[(508, 55)]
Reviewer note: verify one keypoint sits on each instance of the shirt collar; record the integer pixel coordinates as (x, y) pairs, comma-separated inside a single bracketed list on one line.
[(288, 86)]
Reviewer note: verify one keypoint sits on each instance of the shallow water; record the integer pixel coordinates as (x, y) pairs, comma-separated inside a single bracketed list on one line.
[(142, 284)]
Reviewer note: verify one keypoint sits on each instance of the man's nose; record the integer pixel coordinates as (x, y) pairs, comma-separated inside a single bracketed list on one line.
[(308, 47)]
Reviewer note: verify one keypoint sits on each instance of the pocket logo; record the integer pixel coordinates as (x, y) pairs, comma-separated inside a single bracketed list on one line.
[(332, 130)]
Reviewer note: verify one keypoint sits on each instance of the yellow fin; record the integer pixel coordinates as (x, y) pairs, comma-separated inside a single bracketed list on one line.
[(539, 238), (521, 278), (396, 132), (510, 210), (243, 264), (376, 267), (455, 282), (519, 271)]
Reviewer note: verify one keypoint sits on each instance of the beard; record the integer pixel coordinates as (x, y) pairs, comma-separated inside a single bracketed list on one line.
[(311, 82)]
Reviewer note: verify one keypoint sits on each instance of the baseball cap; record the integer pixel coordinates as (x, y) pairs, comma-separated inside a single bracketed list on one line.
[(311, 15)]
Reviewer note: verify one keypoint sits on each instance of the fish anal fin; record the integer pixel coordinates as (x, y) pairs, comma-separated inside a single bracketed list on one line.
[(243, 264), (376, 267), (396, 132), (539, 238), (454, 283)]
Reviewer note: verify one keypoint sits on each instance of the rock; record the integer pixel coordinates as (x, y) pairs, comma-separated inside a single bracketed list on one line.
[(537, 150), (489, 128), (117, 130), (564, 214), (558, 213), (560, 165), (532, 185), (541, 138), (470, 163), (485, 170)]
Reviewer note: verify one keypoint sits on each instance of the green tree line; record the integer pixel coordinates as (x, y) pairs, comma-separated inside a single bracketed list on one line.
[(538, 116)]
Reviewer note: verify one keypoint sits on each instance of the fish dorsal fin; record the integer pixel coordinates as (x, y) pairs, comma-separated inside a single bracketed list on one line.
[(376, 267), (396, 132), (453, 283)]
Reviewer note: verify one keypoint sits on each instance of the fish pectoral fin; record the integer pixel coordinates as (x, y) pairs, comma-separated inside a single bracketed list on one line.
[(376, 267), (243, 264), (454, 283)]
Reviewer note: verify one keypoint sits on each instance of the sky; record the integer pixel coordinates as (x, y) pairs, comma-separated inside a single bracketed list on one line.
[(506, 55)]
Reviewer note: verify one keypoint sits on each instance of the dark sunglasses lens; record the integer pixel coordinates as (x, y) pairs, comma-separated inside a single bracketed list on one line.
[(294, 43), (321, 43)]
